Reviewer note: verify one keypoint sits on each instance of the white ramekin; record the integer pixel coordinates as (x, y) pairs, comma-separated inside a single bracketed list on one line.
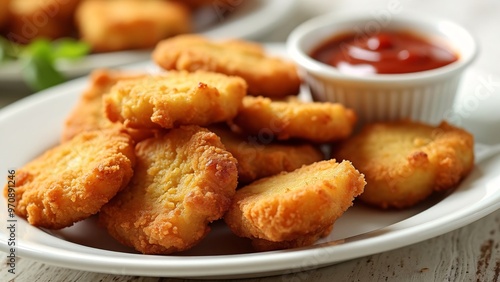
[(422, 96)]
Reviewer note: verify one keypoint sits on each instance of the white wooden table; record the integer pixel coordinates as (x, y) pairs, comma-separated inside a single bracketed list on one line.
[(471, 253)]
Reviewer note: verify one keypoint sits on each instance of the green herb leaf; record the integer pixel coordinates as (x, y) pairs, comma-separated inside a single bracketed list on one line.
[(68, 48), (39, 72)]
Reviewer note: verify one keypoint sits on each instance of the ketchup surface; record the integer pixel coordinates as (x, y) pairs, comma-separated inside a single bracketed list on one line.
[(387, 52)]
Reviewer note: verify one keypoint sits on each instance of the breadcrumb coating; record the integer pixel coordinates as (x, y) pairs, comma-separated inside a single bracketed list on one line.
[(174, 99), (261, 158), (72, 181), (313, 121), (295, 206), (88, 113)]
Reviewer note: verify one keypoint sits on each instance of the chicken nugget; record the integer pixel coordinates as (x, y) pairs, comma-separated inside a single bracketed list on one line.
[(176, 98), (88, 113), (72, 181), (183, 180), (265, 75), (294, 208), (30, 19), (404, 161), (314, 121), (130, 24), (258, 159)]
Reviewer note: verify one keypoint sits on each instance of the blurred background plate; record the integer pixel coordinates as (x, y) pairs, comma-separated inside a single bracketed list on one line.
[(248, 19)]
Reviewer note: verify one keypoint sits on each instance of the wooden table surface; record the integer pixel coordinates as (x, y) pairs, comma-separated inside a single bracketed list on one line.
[(470, 253)]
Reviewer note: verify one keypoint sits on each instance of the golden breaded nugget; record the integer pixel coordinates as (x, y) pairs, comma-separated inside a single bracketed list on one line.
[(265, 75), (30, 19), (313, 121), (88, 113), (176, 98), (291, 208), (219, 7), (404, 162), (183, 181), (130, 24), (74, 180), (258, 159)]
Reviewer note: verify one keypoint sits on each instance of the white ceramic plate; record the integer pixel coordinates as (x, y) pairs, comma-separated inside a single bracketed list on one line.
[(34, 124), (236, 18)]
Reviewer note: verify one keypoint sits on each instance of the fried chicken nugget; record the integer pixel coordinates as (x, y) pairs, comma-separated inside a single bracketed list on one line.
[(307, 240), (404, 162), (265, 75), (183, 181), (257, 159), (293, 209), (88, 113), (313, 121), (175, 98), (116, 25), (30, 19), (219, 6), (74, 180)]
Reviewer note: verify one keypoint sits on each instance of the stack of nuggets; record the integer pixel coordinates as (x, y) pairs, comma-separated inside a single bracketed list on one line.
[(207, 150)]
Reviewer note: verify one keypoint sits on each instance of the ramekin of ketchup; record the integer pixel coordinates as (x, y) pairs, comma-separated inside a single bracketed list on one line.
[(405, 67)]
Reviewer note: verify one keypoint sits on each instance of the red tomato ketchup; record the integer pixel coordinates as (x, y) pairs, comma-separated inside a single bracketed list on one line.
[(388, 52)]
